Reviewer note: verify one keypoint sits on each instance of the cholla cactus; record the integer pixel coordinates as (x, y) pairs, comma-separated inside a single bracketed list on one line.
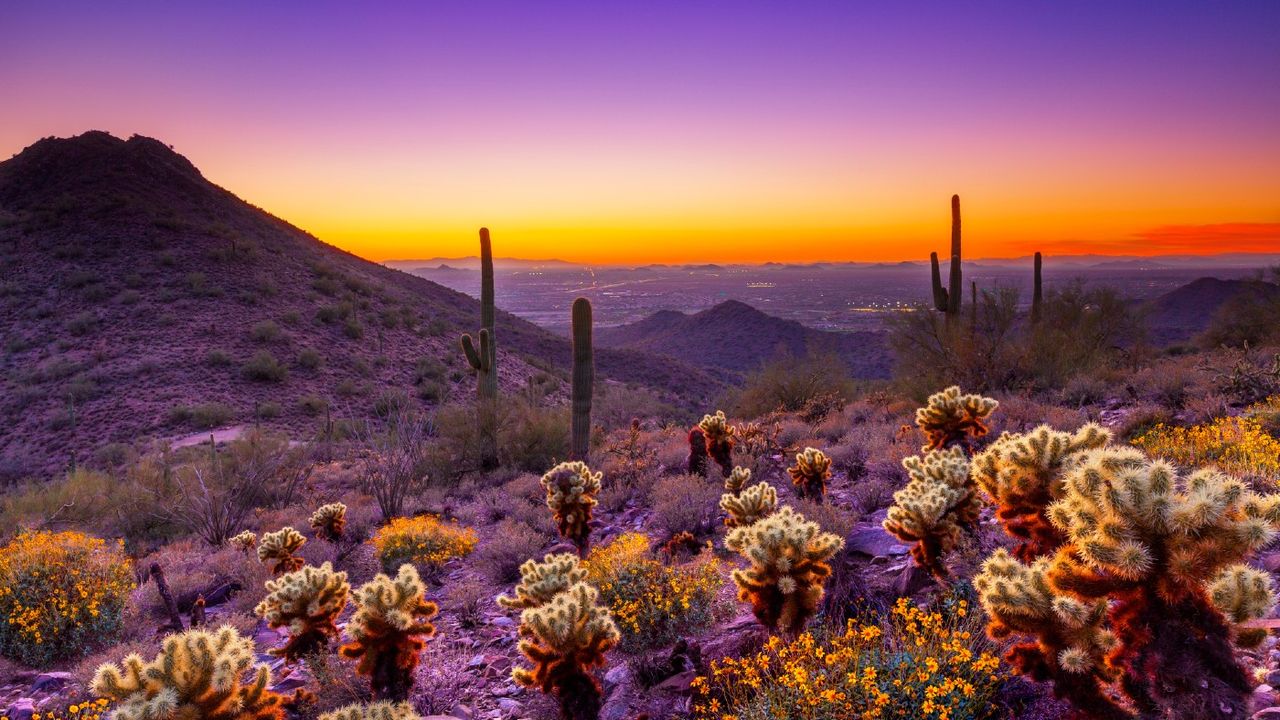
[(938, 503), (749, 506), (373, 711), (388, 631), (697, 452), (571, 494), (565, 640), (951, 417), (542, 581), (788, 557), (719, 435), (1144, 540), (1072, 640), (1242, 594), (330, 521), (1023, 474), (245, 542), (308, 602), (198, 675), (810, 473), (737, 480), (280, 546)]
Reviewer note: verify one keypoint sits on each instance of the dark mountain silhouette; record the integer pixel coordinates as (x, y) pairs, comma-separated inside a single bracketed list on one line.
[(1181, 314), (133, 290), (737, 337)]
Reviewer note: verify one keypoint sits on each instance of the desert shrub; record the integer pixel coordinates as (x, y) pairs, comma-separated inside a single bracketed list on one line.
[(466, 601), (614, 406), (309, 359), (217, 358), (60, 593), (875, 490), (192, 568), (265, 332), (425, 542), (533, 437), (1244, 375), (912, 664), (838, 521), (1247, 319), (395, 465), (1141, 418), (82, 324), (263, 367), (684, 503), (653, 604), (506, 548), (268, 410), (87, 499), (1236, 445), (1084, 390), (793, 384)]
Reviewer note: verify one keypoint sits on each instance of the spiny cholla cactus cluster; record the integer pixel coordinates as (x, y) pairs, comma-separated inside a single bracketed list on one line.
[(245, 541), (564, 640), (1242, 594), (1142, 540), (373, 711), (330, 521), (737, 480), (542, 581), (936, 506), (749, 506), (388, 631), (810, 473), (279, 547), (197, 674), (787, 555), (719, 436), (1024, 473), (950, 417), (571, 494), (308, 602)]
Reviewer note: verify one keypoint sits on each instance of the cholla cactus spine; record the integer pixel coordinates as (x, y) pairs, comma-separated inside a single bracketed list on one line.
[(951, 417), (1023, 473), (565, 640), (571, 490), (198, 674), (1242, 594), (373, 711), (719, 435), (280, 546), (308, 602), (388, 631), (787, 555), (737, 480), (810, 473), (938, 504), (246, 541), (330, 521), (749, 506), (542, 581)]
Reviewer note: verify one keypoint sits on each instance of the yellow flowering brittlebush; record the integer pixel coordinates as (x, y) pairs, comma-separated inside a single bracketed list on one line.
[(916, 665), (424, 541), (1235, 445), (60, 594), (652, 603), (83, 710)]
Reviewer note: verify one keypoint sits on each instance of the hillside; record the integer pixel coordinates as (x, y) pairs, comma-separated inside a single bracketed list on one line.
[(1181, 314), (134, 295), (737, 337)]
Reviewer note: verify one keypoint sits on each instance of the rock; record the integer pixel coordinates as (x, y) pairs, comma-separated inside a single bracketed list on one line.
[(874, 541), (1263, 697), (21, 709), (502, 621), (477, 662), (617, 675), (1271, 713), (911, 580), (461, 712), (289, 684), (50, 681), (679, 683), (509, 706), (1273, 678)]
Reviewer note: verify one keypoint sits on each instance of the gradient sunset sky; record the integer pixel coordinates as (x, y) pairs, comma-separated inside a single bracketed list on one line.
[(689, 131)]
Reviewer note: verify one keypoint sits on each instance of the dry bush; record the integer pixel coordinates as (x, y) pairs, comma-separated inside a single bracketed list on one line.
[(1207, 407), (1019, 413), (109, 506), (613, 406), (394, 465), (533, 437), (466, 600), (876, 488), (839, 521), (193, 569), (672, 448), (441, 679), (1142, 417), (1083, 390), (848, 457), (505, 548), (1168, 383), (794, 384), (685, 503)]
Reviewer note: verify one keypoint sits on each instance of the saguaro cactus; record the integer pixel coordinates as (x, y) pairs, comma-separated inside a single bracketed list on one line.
[(1037, 291), (939, 292), (482, 355), (957, 277), (584, 373)]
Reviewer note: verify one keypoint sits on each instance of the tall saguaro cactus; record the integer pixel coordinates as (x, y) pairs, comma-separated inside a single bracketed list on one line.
[(482, 355), (957, 279), (584, 373), (1037, 293), (939, 292)]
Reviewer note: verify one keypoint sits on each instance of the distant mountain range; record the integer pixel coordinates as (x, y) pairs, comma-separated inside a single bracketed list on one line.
[(737, 337), (138, 300), (1181, 314)]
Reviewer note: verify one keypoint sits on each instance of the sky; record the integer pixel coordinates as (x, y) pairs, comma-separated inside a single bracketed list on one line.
[(688, 131)]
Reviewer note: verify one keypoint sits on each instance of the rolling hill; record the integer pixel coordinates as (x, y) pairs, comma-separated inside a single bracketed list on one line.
[(1183, 313), (139, 300), (737, 337)]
